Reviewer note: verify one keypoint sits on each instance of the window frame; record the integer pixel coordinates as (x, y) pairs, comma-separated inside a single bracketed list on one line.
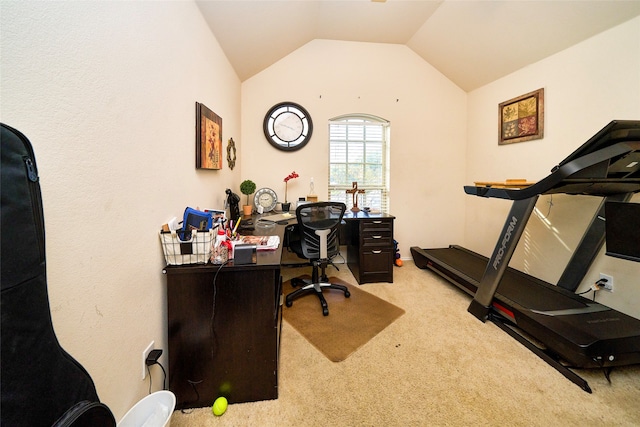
[(376, 195)]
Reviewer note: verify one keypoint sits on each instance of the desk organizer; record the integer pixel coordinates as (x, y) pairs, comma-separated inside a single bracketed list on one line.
[(196, 250)]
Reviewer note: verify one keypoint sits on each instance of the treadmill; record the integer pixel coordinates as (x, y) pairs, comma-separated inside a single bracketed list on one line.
[(563, 328)]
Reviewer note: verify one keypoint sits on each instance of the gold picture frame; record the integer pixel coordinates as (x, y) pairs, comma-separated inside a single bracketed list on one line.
[(208, 138), (521, 119)]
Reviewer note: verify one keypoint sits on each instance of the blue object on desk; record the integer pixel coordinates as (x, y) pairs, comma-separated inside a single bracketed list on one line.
[(196, 220)]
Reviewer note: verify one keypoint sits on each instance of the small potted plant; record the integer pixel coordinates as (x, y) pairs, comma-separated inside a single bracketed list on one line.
[(247, 187)]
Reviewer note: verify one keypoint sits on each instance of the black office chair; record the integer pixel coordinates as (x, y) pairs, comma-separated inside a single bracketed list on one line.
[(318, 242)]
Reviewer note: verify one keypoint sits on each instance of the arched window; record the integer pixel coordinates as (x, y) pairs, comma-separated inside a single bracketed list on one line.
[(359, 152)]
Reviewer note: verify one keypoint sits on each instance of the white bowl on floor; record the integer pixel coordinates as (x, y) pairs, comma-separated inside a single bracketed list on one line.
[(154, 410)]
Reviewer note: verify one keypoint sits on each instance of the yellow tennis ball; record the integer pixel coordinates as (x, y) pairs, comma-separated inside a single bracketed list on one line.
[(219, 406)]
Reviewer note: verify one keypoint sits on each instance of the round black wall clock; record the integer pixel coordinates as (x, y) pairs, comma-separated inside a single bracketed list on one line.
[(288, 126)]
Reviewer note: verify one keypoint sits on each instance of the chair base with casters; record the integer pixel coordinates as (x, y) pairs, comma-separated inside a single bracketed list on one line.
[(318, 242), (316, 284)]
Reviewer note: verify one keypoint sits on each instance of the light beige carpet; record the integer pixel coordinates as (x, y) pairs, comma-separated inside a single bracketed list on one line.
[(351, 321), (436, 365)]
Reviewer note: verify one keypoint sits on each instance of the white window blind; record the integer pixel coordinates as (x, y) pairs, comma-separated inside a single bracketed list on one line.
[(359, 152)]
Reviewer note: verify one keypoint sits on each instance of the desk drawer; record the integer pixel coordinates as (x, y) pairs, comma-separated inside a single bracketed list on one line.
[(376, 225), (380, 238), (377, 265)]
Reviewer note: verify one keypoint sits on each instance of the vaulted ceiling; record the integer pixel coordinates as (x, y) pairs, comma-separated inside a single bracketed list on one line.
[(472, 42)]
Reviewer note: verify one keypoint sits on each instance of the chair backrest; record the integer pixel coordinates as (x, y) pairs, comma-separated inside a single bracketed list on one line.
[(314, 221)]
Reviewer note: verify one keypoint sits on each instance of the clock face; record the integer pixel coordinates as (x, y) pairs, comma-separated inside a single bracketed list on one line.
[(288, 126), (266, 198)]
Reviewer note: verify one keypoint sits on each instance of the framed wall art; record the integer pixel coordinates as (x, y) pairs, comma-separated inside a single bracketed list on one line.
[(522, 118), (208, 138)]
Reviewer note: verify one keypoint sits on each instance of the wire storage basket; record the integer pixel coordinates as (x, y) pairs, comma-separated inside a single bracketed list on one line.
[(192, 247)]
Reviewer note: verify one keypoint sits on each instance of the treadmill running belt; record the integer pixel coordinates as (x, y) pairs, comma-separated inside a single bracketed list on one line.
[(515, 286)]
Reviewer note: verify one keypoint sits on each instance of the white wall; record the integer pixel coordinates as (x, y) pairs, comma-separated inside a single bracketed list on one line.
[(106, 92), (428, 129), (586, 87)]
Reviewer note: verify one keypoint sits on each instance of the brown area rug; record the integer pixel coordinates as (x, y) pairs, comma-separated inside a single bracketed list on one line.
[(351, 322)]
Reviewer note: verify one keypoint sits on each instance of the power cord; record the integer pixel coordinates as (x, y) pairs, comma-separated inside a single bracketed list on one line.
[(214, 341), (195, 389), (152, 359), (600, 284)]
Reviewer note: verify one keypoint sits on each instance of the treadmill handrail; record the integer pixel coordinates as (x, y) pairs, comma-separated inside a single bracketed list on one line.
[(614, 131), (560, 174)]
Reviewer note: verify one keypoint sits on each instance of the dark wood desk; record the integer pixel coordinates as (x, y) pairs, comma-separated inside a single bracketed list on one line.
[(224, 323), (224, 328)]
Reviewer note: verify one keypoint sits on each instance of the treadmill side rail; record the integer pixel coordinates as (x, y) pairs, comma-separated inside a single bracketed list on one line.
[(589, 308)]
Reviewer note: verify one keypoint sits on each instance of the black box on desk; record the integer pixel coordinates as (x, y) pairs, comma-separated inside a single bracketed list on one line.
[(245, 253)]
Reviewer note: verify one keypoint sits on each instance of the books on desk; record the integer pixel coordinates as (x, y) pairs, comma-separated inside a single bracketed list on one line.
[(263, 243)]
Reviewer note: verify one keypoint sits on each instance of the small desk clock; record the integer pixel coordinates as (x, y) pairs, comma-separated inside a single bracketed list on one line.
[(267, 198)]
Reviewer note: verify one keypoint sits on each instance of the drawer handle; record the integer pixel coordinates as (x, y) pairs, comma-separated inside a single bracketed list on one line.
[(376, 252), (377, 222), (377, 237)]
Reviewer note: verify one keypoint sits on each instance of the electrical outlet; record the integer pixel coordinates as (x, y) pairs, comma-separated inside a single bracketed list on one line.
[(609, 285), (145, 353)]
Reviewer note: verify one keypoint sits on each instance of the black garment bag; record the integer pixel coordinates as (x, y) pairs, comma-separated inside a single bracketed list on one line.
[(41, 384)]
